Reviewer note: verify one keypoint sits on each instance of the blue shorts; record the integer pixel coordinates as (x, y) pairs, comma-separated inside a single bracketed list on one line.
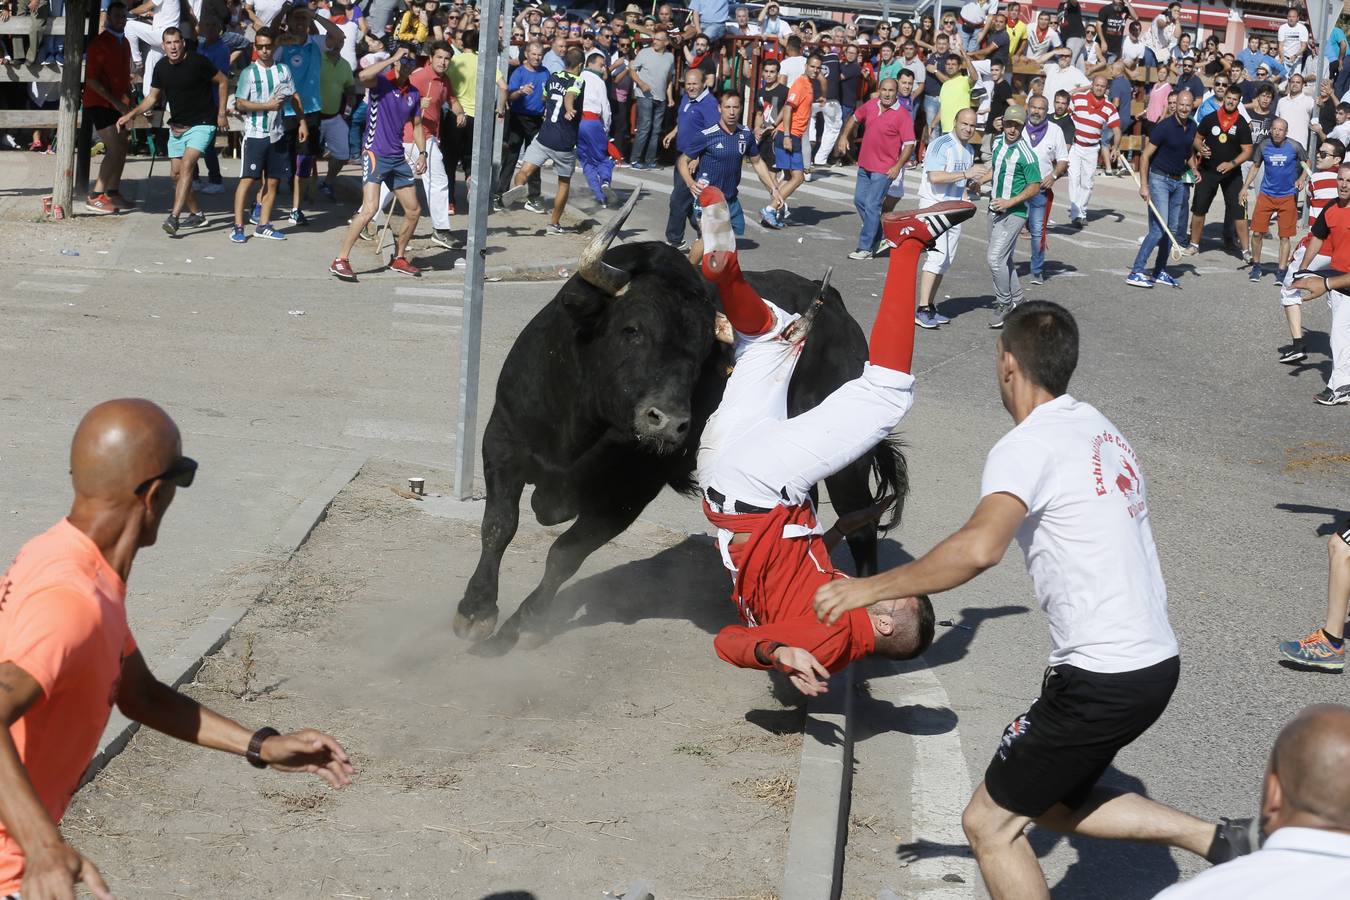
[(266, 158), (787, 153), (393, 171), (196, 137)]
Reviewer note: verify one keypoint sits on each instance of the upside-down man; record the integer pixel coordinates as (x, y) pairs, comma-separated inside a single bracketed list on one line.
[(756, 465)]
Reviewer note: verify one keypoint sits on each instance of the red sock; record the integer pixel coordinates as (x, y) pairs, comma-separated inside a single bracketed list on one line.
[(892, 343), (743, 305)]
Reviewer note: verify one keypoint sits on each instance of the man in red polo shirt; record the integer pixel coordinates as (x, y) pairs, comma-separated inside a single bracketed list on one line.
[(887, 144), (107, 95)]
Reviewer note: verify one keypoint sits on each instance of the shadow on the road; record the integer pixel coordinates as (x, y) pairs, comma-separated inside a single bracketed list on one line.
[(1134, 870), (1327, 528), (925, 849), (953, 641), (778, 721), (511, 895), (806, 215), (1317, 343)]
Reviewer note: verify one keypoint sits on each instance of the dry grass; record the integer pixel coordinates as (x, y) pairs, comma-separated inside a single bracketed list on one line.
[(777, 792), (1316, 457)]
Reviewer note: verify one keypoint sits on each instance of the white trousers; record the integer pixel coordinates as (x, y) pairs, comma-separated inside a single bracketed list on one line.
[(1082, 172), (138, 32), (829, 134), (1340, 340), (752, 452), (434, 181)]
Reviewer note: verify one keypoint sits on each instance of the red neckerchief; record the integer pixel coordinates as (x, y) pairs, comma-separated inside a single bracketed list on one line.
[(1226, 121), (1040, 35)]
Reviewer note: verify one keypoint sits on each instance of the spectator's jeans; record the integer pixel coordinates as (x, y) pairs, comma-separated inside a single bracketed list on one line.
[(621, 126), (714, 31), (832, 113), (867, 196), (681, 212), (1038, 212), (1003, 232), (932, 110), (520, 130), (971, 39), (1169, 196), (650, 116)]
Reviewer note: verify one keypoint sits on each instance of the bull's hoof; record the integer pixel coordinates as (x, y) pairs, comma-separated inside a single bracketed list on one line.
[(476, 629), (498, 644)]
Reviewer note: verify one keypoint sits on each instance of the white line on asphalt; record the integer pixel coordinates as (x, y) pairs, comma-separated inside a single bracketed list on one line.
[(424, 328), (67, 273), (454, 292), (427, 309), (51, 287), (396, 430)]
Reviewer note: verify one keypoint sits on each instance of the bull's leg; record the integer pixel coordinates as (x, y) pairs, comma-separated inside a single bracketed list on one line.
[(850, 490), (591, 531), (477, 614)]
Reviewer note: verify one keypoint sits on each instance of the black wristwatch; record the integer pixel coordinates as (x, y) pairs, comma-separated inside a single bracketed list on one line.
[(252, 754)]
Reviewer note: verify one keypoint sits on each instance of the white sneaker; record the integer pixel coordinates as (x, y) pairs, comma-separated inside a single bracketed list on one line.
[(715, 223), (512, 196), (860, 254)]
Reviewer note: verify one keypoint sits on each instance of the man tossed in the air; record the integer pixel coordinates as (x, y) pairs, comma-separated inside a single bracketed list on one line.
[(757, 466)]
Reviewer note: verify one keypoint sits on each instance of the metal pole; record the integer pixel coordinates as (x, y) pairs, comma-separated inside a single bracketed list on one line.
[(480, 202), (886, 11), (72, 98)]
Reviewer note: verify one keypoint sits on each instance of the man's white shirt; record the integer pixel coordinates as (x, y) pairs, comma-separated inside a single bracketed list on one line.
[(1051, 150), (1290, 856)]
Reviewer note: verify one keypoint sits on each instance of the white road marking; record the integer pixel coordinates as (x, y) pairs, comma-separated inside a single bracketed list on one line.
[(424, 328), (67, 273), (451, 293), (397, 430), (427, 309), (51, 287)]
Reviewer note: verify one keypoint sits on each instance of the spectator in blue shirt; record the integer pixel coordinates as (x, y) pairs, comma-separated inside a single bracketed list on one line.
[(525, 99), (698, 111), (210, 45)]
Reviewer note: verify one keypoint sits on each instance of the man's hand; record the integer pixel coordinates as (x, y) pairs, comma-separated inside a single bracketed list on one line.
[(420, 163), (1242, 197), (222, 122), (51, 873), (842, 595), (1000, 204), (1311, 287), (665, 141), (525, 89), (309, 750), (1143, 190), (303, 132), (803, 670), (1224, 168)]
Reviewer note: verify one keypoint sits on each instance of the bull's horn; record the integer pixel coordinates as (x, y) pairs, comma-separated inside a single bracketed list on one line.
[(593, 268)]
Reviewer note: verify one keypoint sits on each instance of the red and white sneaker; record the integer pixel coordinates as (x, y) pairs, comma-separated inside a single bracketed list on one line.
[(715, 222), (342, 269), (925, 225), (403, 267), (100, 204)]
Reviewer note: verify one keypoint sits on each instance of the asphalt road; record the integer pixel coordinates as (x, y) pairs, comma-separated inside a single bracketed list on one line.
[(1246, 474)]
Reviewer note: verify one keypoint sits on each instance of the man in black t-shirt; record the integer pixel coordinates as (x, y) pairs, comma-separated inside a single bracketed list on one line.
[(1071, 29), (1062, 116), (1223, 142), (1114, 19), (185, 78), (850, 74), (999, 98), (556, 140), (770, 100), (935, 73), (827, 109)]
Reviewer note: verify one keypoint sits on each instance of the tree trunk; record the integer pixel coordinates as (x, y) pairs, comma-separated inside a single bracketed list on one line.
[(72, 97)]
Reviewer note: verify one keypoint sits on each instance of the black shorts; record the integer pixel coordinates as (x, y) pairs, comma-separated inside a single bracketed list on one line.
[(1056, 750), (101, 117), (1209, 186), (313, 147), (265, 158)]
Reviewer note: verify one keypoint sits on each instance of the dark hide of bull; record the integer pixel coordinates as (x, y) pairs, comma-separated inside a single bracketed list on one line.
[(601, 402)]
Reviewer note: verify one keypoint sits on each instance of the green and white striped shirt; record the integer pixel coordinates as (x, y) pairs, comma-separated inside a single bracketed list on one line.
[(1014, 168), (258, 84)]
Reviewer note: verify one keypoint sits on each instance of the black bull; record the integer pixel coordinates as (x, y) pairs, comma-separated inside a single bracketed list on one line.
[(602, 400)]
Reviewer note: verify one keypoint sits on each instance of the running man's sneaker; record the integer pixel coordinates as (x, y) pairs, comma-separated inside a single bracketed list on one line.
[(884, 246), (1037, 279), (860, 254), (327, 190), (1233, 838), (445, 239), (1001, 311), (237, 235), (559, 228), (682, 246), (785, 213), (1315, 651), (608, 193), (1338, 397), (298, 218), (267, 231), (212, 187), (1294, 354), (1191, 250), (342, 269), (939, 317), (497, 203), (533, 205), (513, 195), (1255, 274), (1166, 280), (1139, 280), (925, 225), (768, 217), (1280, 273), (403, 267), (369, 233), (100, 205), (925, 317), (170, 226), (255, 215)]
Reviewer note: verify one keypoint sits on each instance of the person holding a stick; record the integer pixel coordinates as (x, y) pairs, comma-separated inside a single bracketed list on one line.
[(1161, 167)]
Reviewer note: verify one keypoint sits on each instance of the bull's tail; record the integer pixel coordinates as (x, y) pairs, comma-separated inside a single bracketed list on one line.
[(890, 469)]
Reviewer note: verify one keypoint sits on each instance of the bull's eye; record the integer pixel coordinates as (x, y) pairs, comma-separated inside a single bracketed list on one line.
[(630, 331)]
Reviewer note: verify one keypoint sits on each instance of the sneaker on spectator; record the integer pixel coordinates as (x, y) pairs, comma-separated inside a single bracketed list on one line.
[(809, 175), (212, 187), (608, 193), (401, 265), (1139, 280), (369, 233), (682, 246), (267, 231), (1314, 651), (559, 228), (1166, 280), (255, 215), (939, 317), (327, 190), (1037, 278), (1334, 397), (443, 237), (860, 254), (193, 220), (497, 203), (925, 317), (1001, 311), (1255, 274), (237, 235), (513, 195), (785, 213), (342, 269), (298, 218), (768, 217), (100, 205), (170, 226), (1191, 250), (884, 246), (535, 206), (1294, 353)]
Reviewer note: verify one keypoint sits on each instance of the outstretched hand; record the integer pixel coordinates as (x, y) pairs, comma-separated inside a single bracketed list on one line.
[(310, 751), (803, 670)]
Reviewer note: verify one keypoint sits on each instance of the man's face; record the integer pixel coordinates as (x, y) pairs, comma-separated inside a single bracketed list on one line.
[(693, 82), (1295, 85), (1291, 17), (731, 111), (772, 12), (904, 86), (742, 17), (941, 43), (664, 12), (117, 19), (1262, 102), (625, 45), (1187, 68), (996, 72), (1037, 110), (173, 46), (298, 22), (951, 65), (1343, 184), (1253, 42), (769, 72), (887, 91), (700, 46), (1042, 21), (659, 41), (965, 125), (1185, 104), (851, 53), (606, 35), (886, 53), (548, 27), (559, 45), (1012, 131), (264, 48), (1278, 129), (534, 56), (813, 68), (1236, 72), (1230, 102), (851, 31), (1099, 87), (1327, 159), (1221, 83), (1061, 106), (440, 61), (911, 51)]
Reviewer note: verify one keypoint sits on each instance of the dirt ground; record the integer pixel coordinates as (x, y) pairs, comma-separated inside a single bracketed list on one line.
[(621, 749)]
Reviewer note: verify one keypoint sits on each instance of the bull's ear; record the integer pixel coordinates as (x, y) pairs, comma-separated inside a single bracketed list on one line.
[(585, 304)]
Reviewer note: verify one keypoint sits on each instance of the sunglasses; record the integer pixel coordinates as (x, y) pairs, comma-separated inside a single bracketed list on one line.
[(180, 473), (1326, 153)]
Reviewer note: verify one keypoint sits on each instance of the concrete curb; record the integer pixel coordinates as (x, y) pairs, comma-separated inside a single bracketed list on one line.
[(819, 828), (213, 631)]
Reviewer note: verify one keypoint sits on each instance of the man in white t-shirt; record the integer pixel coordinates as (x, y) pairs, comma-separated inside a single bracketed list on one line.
[(1071, 489), (1296, 108), (166, 14), (1305, 815), (1293, 37), (1061, 76)]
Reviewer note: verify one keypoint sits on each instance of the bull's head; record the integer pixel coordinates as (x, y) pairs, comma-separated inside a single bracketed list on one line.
[(644, 323)]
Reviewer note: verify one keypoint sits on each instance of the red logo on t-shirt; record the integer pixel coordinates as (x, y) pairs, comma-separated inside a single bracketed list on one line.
[(1113, 460)]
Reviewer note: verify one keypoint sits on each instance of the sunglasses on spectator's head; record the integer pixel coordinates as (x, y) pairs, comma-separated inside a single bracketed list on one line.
[(180, 473)]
